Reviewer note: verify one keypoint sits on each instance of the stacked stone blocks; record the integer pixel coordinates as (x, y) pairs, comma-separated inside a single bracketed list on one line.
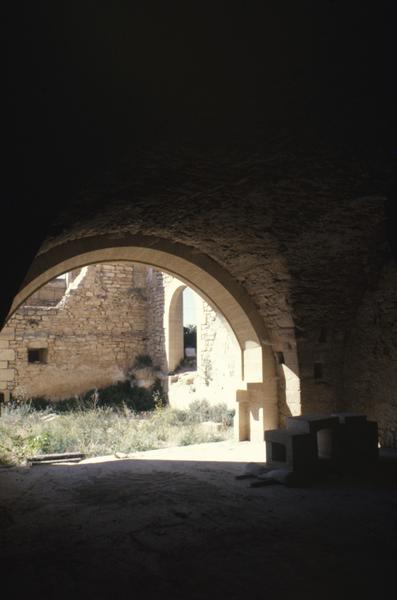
[(309, 442)]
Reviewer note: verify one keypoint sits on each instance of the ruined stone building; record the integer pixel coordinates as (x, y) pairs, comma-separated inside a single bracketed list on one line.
[(85, 330)]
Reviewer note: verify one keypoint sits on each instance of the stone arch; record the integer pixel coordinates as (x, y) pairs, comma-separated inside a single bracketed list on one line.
[(218, 354), (173, 321), (257, 395)]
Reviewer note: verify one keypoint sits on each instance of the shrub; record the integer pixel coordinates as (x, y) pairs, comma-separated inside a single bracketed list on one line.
[(221, 414), (178, 416), (199, 411), (159, 396), (143, 360), (69, 404), (189, 436), (135, 398), (116, 396), (40, 403)]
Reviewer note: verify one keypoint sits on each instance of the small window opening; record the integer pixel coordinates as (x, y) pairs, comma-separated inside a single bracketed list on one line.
[(318, 370), (38, 355), (2, 398), (280, 358), (279, 452), (322, 338)]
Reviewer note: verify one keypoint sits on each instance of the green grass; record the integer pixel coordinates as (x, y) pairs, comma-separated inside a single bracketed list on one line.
[(24, 430)]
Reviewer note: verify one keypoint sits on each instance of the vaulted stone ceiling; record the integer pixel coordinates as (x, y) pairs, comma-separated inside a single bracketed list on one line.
[(255, 134)]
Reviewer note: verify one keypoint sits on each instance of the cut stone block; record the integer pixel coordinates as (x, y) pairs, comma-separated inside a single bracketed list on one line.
[(359, 442), (347, 418), (7, 354), (325, 429), (310, 423), (287, 449), (6, 334), (7, 374)]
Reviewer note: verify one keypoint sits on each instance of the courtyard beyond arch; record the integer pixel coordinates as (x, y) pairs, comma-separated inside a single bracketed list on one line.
[(257, 393)]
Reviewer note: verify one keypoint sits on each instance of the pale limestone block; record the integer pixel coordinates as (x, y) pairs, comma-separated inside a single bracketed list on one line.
[(7, 334), (7, 374), (7, 355)]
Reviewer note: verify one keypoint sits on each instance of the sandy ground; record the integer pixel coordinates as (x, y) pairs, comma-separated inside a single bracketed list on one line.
[(178, 523)]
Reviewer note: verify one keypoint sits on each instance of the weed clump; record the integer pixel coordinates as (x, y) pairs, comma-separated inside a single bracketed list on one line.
[(142, 361)]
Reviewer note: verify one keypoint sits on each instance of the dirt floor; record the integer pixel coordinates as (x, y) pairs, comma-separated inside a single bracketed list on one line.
[(178, 523)]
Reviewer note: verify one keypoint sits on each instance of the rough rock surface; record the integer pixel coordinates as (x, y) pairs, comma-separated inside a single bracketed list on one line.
[(371, 356)]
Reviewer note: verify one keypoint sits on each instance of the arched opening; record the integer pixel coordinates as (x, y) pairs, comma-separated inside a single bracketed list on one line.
[(173, 318), (256, 394), (203, 353), (181, 313)]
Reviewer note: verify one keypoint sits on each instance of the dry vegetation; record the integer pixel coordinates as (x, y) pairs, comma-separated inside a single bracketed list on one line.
[(25, 431)]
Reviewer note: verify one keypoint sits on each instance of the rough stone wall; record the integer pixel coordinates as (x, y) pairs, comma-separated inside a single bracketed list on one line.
[(91, 336), (155, 318), (220, 358), (48, 295), (371, 356), (217, 346), (7, 358), (108, 314)]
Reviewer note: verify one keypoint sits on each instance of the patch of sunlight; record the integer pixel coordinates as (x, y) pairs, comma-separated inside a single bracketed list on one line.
[(227, 451)]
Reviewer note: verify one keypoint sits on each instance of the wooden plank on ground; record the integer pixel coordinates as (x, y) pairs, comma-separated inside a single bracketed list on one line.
[(62, 456)]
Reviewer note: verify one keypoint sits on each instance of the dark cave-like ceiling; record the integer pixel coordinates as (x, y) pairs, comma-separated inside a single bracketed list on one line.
[(95, 77), (88, 81)]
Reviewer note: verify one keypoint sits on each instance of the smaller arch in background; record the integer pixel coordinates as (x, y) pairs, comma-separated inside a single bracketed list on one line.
[(173, 323)]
